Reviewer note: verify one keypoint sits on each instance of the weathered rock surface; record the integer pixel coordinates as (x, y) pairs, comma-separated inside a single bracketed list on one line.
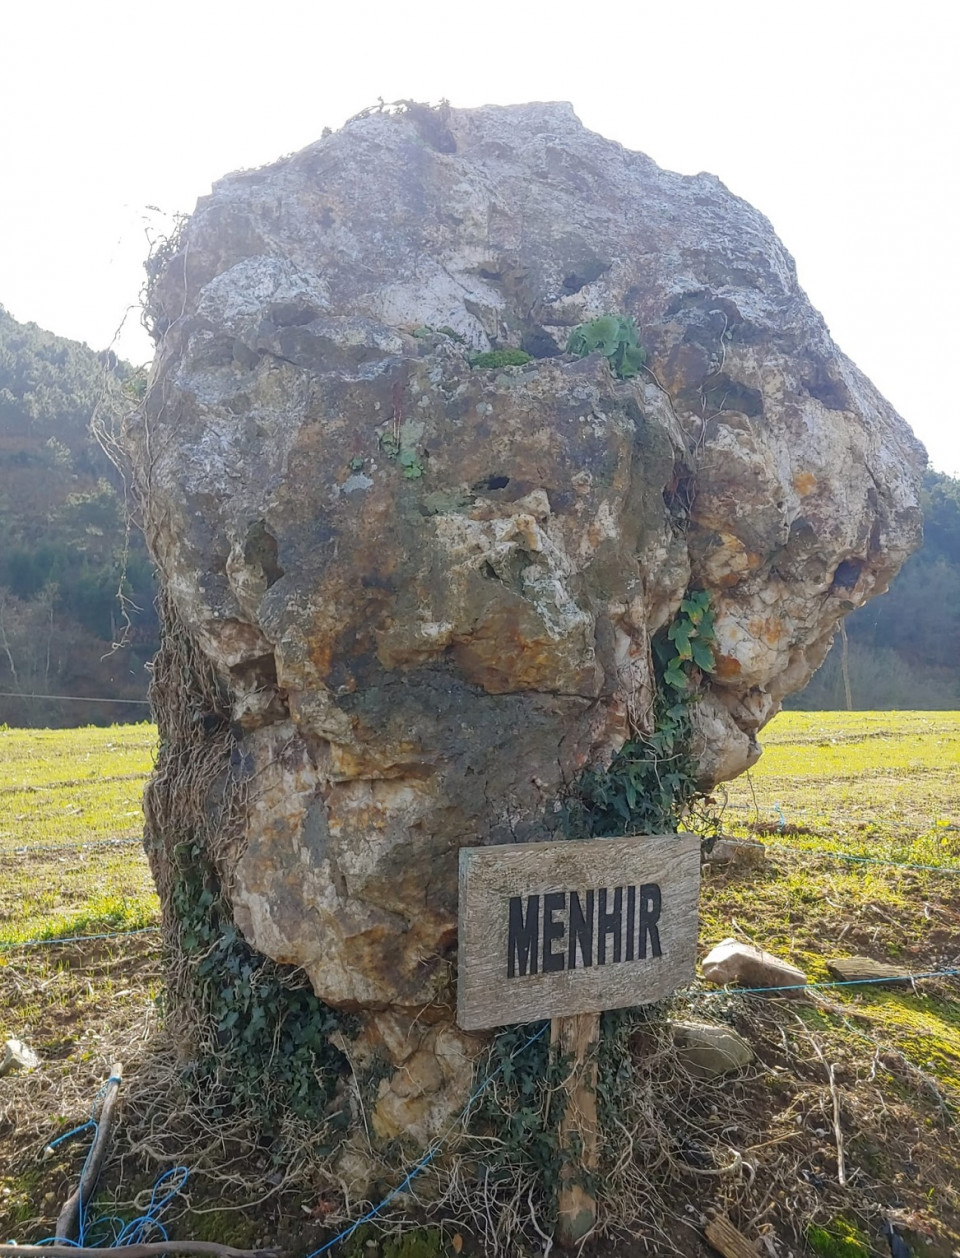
[(734, 962), (17, 1056), (707, 1050), (734, 855), (430, 590)]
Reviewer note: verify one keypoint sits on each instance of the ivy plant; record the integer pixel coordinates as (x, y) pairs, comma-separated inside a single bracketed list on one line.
[(267, 1041), (689, 642), (614, 336), (653, 779)]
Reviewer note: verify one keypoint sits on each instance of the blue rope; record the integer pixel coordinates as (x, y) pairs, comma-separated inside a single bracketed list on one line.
[(68, 939), (430, 1154), (844, 982), (74, 1131), (841, 856), (138, 1230), (862, 860), (768, 847), (69, 847)]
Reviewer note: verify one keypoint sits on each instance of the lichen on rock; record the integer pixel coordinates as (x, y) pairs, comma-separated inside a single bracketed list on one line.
[(429, 589)]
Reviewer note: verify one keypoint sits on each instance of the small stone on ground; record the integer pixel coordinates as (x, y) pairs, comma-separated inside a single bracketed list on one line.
[(734, 962), (854, 969), (707, 1050), (729, 852), (18, 1056)]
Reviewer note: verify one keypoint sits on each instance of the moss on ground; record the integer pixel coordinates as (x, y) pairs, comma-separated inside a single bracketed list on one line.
[(839, 1239)]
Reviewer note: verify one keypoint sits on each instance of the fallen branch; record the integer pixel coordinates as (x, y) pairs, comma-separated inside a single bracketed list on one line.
[(70, 1214), (837, 1133), (835, 1097)]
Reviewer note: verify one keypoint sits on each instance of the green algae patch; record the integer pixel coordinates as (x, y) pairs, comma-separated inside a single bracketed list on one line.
[(925, 1028), (839, 1239), (501, 358)]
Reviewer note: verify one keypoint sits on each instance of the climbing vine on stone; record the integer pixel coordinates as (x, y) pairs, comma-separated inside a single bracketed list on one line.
[(689, 643), (614, 336), (267, 1049), (652, 779)]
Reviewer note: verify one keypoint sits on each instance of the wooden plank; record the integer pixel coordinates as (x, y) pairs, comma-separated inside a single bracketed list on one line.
[(854, 969), (548, 930), (576, 1038), (723, 1236)]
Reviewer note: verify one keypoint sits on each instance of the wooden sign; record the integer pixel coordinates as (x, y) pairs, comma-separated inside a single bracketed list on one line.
[(553, 929)]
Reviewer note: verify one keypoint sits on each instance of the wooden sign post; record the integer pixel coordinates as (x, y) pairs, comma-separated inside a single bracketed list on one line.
[(564, 931), (578, 1038)]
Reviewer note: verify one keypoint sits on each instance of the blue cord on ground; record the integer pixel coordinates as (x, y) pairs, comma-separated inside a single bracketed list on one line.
[(72, 939), (840, 982), (110, 1232), (431, 1153), (141, 1229), (438, 1144)]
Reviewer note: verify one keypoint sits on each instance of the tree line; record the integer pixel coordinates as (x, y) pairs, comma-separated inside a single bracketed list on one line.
[(903, 647), (77, 585)]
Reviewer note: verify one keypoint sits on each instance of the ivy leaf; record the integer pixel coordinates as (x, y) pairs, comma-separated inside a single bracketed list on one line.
[(674, 675), (695, 605), (680, 633), (632, 358), (703, 655)]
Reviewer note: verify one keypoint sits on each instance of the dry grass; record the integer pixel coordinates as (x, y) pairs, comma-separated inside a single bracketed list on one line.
[(760, 1146)]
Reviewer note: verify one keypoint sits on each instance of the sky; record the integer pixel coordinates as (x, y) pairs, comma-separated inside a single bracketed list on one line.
[(840, 120)]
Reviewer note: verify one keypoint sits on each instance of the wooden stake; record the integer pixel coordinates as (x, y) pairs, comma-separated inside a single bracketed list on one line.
[(724, 1237), (575, 1038), (70, 1214)]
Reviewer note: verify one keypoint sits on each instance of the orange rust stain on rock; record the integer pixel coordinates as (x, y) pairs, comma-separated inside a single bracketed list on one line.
[(768, 629), (727, 667), (804, 483), (397, 760), (320, 655)]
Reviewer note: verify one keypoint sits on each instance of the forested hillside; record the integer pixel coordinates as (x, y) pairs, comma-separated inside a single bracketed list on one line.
[(904, 647), (66, 553)]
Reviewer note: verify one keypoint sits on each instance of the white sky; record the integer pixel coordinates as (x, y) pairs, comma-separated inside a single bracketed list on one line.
[(837, 118)]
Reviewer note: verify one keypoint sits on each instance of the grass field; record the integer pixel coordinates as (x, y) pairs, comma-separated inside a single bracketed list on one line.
[(885, 784), (830, 790), (70, 816)]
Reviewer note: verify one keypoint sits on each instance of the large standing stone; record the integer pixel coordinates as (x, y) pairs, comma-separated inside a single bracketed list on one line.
[(429, 590)]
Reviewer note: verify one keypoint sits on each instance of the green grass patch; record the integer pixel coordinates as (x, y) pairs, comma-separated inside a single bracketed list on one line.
[(70, 789), (101, 914), (880, 785), (71, 786), (885, 785)]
